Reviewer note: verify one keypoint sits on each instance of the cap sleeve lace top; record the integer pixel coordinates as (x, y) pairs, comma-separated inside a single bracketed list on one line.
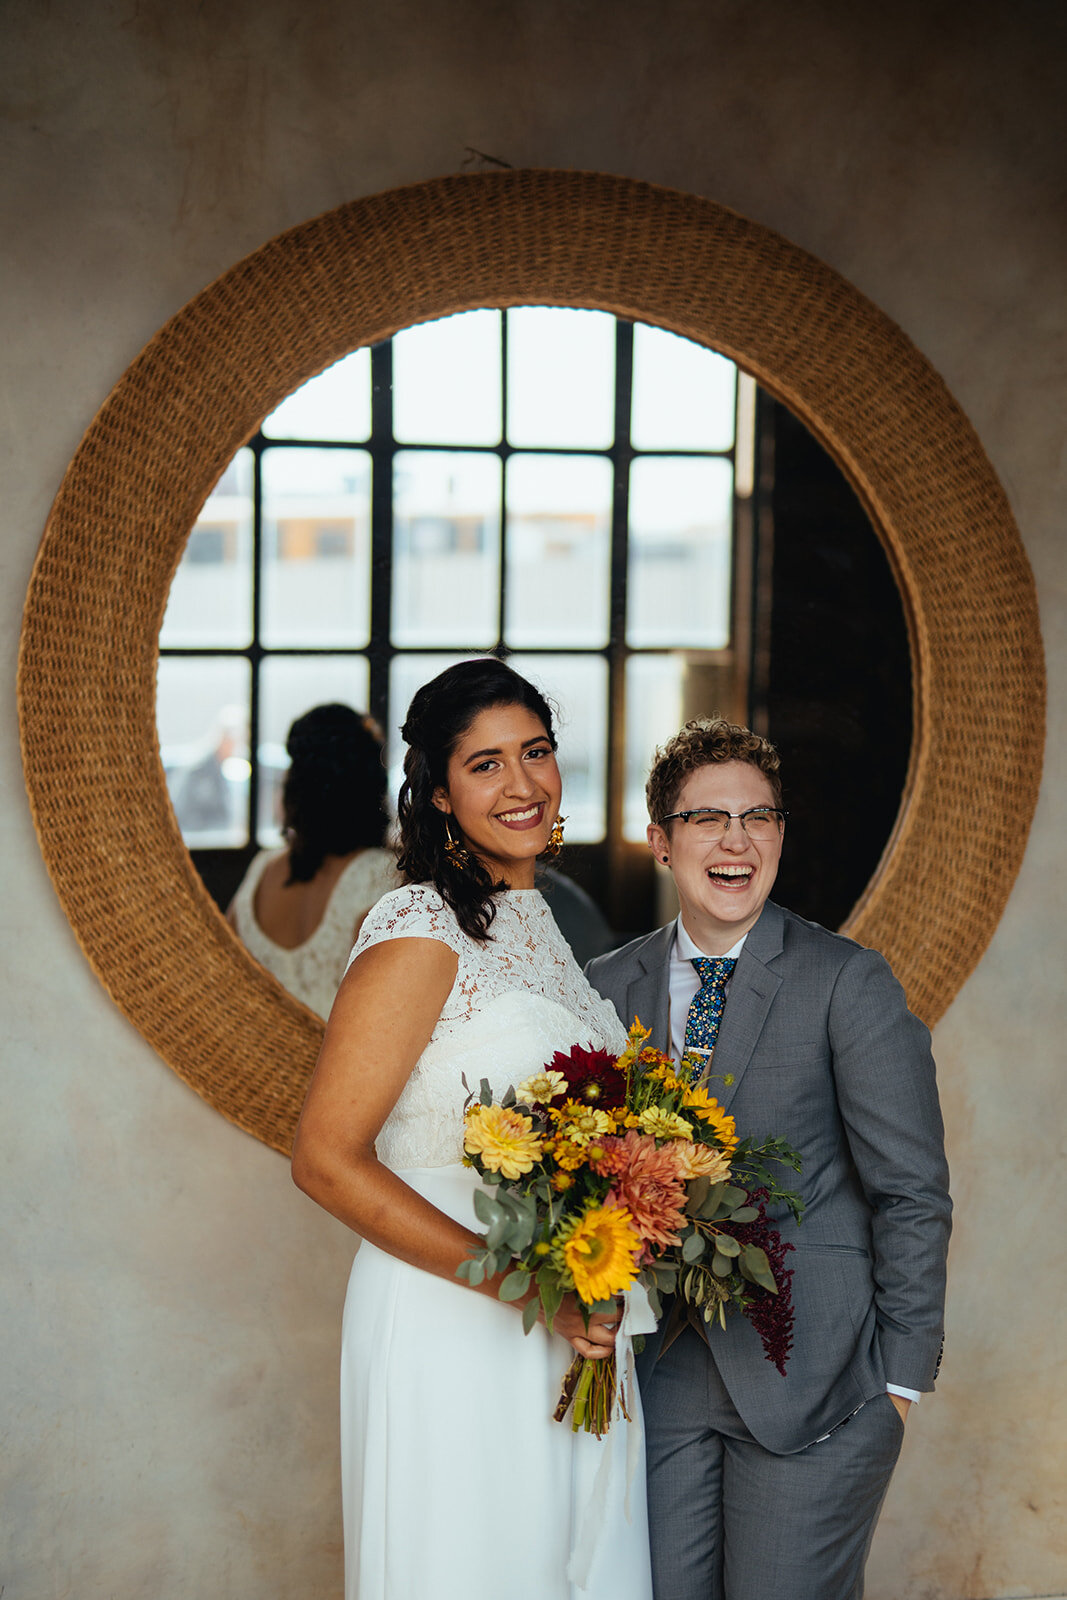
[(517, 998)]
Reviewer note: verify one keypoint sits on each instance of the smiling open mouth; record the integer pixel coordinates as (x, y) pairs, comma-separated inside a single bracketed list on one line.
[(734, 877), (517, 818)]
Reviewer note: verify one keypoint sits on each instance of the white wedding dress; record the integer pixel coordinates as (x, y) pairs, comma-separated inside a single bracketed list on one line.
[(457, 1482)]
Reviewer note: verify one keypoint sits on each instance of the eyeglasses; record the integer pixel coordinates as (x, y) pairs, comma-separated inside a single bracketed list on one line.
[(762, 824)]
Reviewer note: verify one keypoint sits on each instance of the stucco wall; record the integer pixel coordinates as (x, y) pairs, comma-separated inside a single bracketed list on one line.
[(170, 1301)]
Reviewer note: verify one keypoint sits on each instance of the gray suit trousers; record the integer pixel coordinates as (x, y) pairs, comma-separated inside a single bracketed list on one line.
[(731, 1521)]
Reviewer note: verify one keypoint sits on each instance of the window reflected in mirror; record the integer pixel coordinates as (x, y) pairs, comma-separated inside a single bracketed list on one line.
[(608, 505)]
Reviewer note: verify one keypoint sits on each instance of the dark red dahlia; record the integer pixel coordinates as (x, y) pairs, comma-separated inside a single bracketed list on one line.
[(592, 1077)]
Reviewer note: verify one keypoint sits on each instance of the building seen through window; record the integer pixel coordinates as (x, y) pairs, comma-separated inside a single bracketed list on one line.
[(559, 486)]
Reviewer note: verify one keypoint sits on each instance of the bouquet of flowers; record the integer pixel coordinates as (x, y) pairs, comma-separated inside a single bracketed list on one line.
[(602, 1172)]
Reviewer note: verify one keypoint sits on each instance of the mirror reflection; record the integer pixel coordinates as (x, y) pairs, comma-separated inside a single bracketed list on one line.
[(620, 512)]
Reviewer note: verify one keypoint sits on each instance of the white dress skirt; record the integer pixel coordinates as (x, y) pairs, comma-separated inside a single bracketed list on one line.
[(457, 1482)]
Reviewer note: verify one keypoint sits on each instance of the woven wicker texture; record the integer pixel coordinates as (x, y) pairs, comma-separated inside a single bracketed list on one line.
[(132, 493)]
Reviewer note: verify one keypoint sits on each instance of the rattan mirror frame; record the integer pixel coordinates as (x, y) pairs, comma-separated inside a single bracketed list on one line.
[(115, 535)]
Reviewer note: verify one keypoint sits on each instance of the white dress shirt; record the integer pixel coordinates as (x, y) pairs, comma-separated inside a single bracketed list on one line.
[(684, 985)]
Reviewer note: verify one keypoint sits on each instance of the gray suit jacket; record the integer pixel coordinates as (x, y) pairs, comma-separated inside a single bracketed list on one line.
[(824, 1053)]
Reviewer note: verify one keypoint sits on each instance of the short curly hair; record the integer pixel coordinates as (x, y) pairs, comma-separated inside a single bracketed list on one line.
[(705, 742)]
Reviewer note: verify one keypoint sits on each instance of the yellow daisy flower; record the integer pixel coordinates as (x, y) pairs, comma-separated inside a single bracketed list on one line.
[(700, 1103), (664, 1124), (504, 1140), (541, 1087), (663, 1074), (600, 1253), (568, 1156), (581, 1123)]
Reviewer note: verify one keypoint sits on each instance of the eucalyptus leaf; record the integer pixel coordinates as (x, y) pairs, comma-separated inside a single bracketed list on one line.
[(698, 1193), (721, 1265), (692, 1247), (654, 1302), (464, 1268), (732, 1196), (485, 1094), (498, 1232), (726, 1245), (754, 1265), (509, 1098), (514, 1285), (530, 1312), (551, 1292), (476, 1275), (487, 1209), (745, 1214)]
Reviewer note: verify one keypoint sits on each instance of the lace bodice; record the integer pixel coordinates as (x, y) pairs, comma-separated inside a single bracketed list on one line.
[(516, 1000), (313, 970)]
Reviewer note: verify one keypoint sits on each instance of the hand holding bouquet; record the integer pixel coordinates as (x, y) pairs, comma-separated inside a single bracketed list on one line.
[(601, 1172)]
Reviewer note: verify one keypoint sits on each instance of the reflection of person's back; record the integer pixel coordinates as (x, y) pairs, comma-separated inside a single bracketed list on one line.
[(298, 909)]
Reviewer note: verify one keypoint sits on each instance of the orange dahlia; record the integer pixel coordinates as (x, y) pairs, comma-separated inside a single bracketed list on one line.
[(646, 1181)]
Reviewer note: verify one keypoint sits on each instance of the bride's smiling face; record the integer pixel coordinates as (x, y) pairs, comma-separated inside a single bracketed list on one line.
[(503, 791)]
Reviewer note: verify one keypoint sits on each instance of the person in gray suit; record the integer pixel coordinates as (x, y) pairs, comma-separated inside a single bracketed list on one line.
[(764, 1487)]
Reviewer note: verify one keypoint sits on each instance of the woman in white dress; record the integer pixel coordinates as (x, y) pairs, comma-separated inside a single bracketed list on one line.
[(299, 908), (456, 1480)]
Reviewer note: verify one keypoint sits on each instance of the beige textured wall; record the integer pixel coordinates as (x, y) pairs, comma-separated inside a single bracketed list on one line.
[(170, 1302)]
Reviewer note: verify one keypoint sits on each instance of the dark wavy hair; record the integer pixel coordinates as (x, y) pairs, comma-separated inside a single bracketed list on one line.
[(438, 717), (333, 796)]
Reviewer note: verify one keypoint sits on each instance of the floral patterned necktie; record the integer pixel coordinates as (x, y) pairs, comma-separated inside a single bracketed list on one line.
[(705, 1013)]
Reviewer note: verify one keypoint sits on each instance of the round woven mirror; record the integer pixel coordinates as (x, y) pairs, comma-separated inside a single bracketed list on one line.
[(355, 276)]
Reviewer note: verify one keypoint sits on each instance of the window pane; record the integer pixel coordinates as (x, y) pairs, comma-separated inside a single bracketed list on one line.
[(579, 688), (446, 381), (558, 550), (316, 547), (289, 686), (446, 549), (683, 395), (335, 405), (679, 576), (210, 600), (406, 674), (202, 717), (561, 377), (653, 714)]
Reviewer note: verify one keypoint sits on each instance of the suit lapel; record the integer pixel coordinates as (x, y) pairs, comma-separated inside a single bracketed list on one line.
[(752, 991), (648, 995)]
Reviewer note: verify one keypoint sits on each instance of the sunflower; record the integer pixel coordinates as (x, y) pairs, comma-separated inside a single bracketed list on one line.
[(504, 1139), (700, 1104), (600, 1251)]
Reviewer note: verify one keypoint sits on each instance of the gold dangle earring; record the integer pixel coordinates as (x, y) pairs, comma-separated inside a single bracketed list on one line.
[(555, 838), (453, 849)]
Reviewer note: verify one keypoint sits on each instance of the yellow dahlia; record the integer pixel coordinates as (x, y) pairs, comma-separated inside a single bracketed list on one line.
[(665, 1075), (664, 1124), (600, 1252), (504, 1140), (541, 1087), (700, 1161), (700, 1103)]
